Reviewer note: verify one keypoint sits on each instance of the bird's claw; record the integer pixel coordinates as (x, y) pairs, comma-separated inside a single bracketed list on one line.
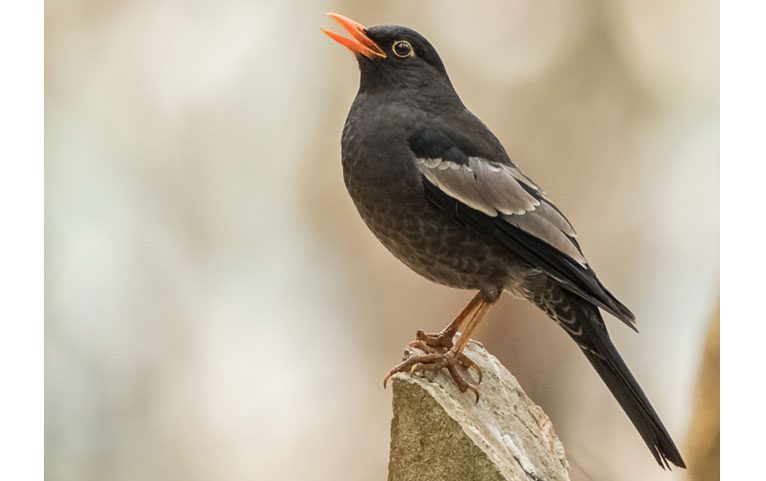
[(422, 343), (433, 361), (441, 340), (468, 364), (422, 346), (410, 362)]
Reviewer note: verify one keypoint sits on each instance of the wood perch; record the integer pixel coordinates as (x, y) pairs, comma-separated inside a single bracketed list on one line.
[(441, 434)]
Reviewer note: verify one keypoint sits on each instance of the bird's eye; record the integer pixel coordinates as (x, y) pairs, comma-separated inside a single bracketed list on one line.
[(402, 48)]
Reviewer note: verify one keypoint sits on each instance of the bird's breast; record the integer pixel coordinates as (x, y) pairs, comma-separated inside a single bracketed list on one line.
[(386, 187), (377, 162)]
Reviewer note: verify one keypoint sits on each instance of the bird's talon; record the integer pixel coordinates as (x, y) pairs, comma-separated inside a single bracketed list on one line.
[(461, 383), (422, 346), (475, 391), (385, 379), (440, 340), (467, 363), (434, 361)]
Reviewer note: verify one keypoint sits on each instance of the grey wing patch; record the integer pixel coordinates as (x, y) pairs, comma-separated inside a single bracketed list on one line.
[(486, 186), (552, 214), (503, 190), (547, 224)]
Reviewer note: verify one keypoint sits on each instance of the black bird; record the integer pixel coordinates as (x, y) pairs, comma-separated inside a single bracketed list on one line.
[(438, 189)]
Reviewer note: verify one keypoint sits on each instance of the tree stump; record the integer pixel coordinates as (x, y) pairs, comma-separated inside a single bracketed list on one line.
[(441, 434)]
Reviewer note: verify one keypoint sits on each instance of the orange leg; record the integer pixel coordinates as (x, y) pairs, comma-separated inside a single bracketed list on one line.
[(434, 359), (474, 321), (444, 339)]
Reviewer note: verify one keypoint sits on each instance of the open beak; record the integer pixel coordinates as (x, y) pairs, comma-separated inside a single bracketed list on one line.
[(361, 43)]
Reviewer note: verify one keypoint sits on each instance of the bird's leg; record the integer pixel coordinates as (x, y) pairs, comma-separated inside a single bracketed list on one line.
[(444, 339), (434, 360), (441, 341)]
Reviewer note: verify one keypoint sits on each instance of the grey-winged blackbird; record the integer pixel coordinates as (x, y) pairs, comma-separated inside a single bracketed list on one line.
[(438, 189)]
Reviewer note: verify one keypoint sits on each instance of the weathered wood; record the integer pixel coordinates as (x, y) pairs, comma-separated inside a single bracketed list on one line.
[(441, 434)]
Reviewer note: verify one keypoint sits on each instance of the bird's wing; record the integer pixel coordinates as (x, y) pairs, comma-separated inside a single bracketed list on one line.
[(495, 198)]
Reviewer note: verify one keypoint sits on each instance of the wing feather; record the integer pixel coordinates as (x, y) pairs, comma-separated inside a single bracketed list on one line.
[(542, 227), (481, 184), (499, 190), (498, 199)]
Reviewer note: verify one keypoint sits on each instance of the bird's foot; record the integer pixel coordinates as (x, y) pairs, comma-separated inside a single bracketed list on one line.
[(440, 341), (424, 346), (433, 361)]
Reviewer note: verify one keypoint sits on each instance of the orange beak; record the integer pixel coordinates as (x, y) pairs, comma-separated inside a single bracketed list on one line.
[(361, 43)]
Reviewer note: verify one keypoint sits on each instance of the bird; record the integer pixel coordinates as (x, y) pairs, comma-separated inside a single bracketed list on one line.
[(440, 192)]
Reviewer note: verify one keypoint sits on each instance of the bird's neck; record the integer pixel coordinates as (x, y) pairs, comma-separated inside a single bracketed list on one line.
[(435, 96)]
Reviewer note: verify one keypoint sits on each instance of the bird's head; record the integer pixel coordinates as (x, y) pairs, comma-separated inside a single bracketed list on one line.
[(391, 56)]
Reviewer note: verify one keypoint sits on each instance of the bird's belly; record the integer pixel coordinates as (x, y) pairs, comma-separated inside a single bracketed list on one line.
[(433, 244)]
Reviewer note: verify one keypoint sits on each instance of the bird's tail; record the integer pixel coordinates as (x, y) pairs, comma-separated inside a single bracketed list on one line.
[(583, 322)]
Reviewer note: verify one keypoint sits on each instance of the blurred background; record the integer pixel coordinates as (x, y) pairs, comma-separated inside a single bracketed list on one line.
[(215, 308)]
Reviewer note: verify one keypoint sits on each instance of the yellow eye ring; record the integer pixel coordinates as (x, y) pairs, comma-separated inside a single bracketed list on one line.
[(402, 49)]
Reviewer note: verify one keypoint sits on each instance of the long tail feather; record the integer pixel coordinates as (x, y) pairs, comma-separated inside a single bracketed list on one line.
[(583, 322)]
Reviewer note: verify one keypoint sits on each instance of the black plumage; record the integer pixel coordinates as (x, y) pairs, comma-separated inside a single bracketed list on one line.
[(440, 192)]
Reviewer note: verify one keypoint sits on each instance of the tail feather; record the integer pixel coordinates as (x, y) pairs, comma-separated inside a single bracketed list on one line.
[(612, 369), (583, 322)]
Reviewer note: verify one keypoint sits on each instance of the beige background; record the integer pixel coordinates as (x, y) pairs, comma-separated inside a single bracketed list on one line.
[(216, 310)]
